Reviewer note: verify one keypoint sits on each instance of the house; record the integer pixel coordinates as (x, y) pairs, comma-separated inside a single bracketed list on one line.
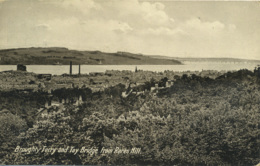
[(153, 88), (96, 74), (169, 83), (78, 101), (156, 86), (132, 85), (44, 76), (140, 82), (55, 103), (125, 94), (21, 67)]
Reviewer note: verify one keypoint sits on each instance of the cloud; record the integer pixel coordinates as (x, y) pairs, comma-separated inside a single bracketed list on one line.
[(136, 13), (232, 27), (120, 26), (84, 6), (106, 26), (207, 27), (42, 27), (153, 13), (192, 28), (165, 31)]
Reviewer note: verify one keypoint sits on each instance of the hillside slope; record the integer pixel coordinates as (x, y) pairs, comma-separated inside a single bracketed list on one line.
[(214, 60), (56, 55)]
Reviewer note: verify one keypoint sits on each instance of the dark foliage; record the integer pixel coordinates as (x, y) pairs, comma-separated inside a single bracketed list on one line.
[(197, 121)]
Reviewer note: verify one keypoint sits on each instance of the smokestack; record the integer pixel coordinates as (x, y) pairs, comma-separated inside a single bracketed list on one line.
[(70, 67), (79, 69)]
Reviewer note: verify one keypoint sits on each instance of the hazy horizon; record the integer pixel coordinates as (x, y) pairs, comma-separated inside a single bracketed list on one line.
[(203, 29)]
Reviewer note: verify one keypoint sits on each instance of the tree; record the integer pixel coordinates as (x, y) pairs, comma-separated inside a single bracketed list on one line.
[(10, 127)]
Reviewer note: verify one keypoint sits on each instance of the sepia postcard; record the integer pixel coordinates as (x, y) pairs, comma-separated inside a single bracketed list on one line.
[(129, 82)]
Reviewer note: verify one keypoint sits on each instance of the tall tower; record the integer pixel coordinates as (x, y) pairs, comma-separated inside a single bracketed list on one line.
[(79, 69), (70, 67)]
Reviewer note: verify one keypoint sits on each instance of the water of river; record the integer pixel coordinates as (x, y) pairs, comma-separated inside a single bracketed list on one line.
[(85, 69)]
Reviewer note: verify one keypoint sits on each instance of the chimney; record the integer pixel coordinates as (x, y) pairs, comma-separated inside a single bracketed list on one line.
[(70, 67), (79, 69)]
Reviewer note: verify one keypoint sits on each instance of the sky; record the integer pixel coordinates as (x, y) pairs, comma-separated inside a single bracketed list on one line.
[(169, 28)]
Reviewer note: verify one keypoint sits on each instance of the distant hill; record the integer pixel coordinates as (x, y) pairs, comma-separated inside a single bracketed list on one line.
[(224, 60), (63, 56)]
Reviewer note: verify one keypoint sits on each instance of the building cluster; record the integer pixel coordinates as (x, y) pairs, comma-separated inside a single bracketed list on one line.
[(18, 80), (96, 81), (55, 109)]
